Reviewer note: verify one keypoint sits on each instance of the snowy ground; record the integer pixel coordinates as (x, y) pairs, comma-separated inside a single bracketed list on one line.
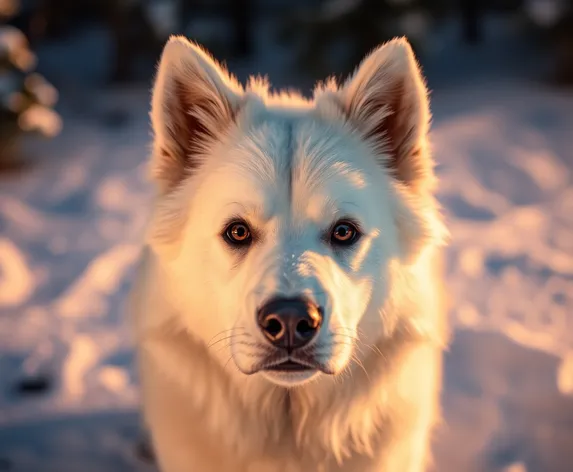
[(70, 231)]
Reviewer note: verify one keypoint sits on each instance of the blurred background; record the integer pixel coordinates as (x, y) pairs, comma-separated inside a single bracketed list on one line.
[(75, 78)]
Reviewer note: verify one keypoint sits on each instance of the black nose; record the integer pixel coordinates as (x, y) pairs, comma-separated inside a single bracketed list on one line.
[(290, 323)]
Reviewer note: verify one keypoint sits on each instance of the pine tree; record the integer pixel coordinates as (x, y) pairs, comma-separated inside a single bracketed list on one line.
[(26, 98)]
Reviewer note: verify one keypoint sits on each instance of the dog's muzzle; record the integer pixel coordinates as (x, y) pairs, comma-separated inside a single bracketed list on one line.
[(289, 323)]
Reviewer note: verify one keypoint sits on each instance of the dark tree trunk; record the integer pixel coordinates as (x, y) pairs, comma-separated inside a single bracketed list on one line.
[(132, 35), (242, 12), (471, 16)]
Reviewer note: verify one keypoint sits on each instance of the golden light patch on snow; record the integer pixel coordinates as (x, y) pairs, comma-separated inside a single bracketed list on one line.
[(16, 280), (471, 261), (80, 359), (516, 467), (565, 374), (114, 378), (87, 296)]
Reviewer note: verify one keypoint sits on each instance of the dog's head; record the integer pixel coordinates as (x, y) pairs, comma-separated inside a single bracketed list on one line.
[(279, 220)]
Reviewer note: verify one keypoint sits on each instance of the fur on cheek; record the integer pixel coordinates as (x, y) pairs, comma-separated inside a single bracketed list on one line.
[(168, 220), (418, 221)]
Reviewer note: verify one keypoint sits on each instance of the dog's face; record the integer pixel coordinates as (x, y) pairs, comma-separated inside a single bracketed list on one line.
[(280, 221), (291, 245)]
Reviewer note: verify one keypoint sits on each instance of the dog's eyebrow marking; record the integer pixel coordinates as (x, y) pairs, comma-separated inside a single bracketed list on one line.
[(334, 209), (250, 209)]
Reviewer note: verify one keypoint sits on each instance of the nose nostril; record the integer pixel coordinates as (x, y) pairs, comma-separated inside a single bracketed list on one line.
[(305, 329), (273, 327)]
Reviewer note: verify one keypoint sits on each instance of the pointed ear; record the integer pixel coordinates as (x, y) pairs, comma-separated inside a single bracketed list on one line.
[(386, 100), (194, 100)]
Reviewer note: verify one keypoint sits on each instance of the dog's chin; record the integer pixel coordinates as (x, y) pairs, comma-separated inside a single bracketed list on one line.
[(290, 379)]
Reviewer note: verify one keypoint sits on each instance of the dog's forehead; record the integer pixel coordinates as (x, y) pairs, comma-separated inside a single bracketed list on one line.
[(303, 151), (298, 161)]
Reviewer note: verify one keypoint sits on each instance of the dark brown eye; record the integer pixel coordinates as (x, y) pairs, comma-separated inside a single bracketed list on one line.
[(238, 234), (344, 233)]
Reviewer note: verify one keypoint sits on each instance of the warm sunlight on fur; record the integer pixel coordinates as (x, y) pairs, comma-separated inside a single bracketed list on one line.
[(288, 305)]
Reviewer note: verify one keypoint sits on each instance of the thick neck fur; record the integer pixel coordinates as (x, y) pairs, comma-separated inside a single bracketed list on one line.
[(333, 417)]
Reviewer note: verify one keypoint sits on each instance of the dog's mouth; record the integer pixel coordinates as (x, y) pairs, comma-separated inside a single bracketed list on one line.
[(283, 364), (289, 366), (295, 365)]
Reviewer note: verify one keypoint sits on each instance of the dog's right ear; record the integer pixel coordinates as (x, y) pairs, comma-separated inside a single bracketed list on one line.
[(194, 100)]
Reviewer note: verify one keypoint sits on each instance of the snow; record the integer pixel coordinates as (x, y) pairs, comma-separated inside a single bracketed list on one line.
[(506, 182), (42, 119), (12, 40), (44, 92), (71, 230), (13, 44), (17, 282)]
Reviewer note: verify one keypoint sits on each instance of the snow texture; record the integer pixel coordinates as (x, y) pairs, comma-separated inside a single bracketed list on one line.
[(70, 234)]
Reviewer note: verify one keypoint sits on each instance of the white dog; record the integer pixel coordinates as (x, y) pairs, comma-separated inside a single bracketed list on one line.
[(288, 306)]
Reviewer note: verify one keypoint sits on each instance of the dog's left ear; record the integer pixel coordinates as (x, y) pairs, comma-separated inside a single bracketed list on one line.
[(386, 100)]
